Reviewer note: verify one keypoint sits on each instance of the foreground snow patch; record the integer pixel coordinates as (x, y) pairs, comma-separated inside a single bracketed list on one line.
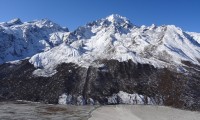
[(142, 112), (126, 98), (119, 98)]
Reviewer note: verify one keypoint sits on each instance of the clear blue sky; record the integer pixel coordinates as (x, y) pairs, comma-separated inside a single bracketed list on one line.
[(74, 13)]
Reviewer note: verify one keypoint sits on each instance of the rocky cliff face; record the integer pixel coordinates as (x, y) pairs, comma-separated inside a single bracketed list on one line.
[(108, 61), (98, 84)]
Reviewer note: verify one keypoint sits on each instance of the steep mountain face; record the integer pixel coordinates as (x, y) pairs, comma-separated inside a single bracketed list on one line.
[(108, 61), (20, 40), (116, 38)]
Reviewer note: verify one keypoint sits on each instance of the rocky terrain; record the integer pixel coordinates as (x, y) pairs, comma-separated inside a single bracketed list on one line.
[(36, 111), (141, 112)]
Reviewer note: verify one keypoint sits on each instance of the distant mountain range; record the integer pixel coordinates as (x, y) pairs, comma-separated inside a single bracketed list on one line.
[(100, 62)]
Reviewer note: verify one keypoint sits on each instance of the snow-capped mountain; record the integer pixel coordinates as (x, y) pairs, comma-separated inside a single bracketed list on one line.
[(108, 61), (20, 40), (115, 37)]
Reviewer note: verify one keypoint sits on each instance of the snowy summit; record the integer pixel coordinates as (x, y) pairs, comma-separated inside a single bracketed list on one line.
[(116, 18)]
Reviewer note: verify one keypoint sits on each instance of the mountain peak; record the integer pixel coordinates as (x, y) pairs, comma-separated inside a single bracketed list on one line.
[(116, 18), (15, 21), (50, 24)]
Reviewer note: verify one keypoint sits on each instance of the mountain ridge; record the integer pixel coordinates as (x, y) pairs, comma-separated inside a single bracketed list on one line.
[(113, 37), (20, 40)]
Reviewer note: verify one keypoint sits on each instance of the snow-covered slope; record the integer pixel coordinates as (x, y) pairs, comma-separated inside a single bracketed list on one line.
[(195, 36), (115, 37), (20, 40)]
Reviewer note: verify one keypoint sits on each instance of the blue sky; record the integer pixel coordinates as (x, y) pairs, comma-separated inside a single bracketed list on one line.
[(74, 13)]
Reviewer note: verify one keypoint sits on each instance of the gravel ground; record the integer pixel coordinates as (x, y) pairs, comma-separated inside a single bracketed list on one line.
[(142, 112), (37, 111)]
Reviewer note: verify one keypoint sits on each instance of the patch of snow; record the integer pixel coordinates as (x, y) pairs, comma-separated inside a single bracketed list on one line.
[(62, 99), (44, 72), (90, 101), (80, 100), (26, 101), (65, 99), (16, 62), (125, 98)]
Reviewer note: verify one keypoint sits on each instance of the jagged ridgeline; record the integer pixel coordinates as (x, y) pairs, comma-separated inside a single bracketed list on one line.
[(108, 61)]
